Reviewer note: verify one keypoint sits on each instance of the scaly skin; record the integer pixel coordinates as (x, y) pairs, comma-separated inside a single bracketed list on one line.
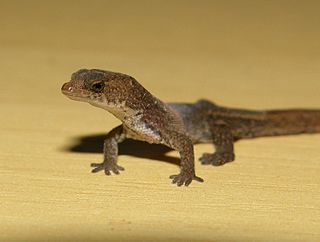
[(178, 125)]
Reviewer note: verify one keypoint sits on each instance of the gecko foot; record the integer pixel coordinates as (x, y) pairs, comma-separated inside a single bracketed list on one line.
[(216, 159), (107, 167), (184, 178)]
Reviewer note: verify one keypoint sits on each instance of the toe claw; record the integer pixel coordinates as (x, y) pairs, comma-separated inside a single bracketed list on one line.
[(120, 168)]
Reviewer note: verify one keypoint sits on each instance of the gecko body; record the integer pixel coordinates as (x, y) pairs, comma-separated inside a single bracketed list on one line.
[(178, 125)]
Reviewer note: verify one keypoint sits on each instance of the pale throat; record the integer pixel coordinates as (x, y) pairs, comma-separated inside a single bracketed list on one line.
[(119, 109)]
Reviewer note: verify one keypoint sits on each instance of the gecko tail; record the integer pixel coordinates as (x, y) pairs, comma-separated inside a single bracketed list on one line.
[(294, 121)]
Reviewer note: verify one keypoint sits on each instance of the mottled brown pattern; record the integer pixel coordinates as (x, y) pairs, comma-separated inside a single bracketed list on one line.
[(178, 125)]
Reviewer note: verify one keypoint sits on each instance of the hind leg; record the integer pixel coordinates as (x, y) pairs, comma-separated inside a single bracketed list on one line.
[(223, 141)]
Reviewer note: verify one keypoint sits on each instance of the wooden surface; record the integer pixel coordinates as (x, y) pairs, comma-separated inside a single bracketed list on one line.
[(253, 54)]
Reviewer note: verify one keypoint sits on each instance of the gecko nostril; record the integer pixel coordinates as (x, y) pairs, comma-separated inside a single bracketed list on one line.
[(70, 89)]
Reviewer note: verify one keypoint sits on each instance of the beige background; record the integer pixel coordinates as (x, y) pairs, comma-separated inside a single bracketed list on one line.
[(252, 54)]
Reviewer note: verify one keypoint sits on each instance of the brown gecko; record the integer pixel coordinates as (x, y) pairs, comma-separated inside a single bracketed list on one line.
[(178, 125)]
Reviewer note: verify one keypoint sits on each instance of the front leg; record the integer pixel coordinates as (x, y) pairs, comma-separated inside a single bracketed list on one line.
[(223, 140), (183, 144), (110, 151)]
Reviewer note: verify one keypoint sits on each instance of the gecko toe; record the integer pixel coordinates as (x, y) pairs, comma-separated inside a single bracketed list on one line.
[(188, 182), (107, 172), (115, 171), (120, 168), (198, 179), (174, 178), (97, 167), (180, 183)]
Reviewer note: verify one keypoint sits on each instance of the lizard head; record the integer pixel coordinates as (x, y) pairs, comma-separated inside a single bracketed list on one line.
[(98, 87), (116, 92)]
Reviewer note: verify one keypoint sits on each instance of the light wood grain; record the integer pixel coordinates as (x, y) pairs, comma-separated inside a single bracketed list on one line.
[(253, 54)]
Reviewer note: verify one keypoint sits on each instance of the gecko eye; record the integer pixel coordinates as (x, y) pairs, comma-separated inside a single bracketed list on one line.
[(97, 87)]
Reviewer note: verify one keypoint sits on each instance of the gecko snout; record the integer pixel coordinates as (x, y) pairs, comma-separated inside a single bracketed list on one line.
[(66, 88)]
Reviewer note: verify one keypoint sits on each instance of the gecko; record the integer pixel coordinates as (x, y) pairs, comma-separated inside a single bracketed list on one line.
[(179, 126)]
